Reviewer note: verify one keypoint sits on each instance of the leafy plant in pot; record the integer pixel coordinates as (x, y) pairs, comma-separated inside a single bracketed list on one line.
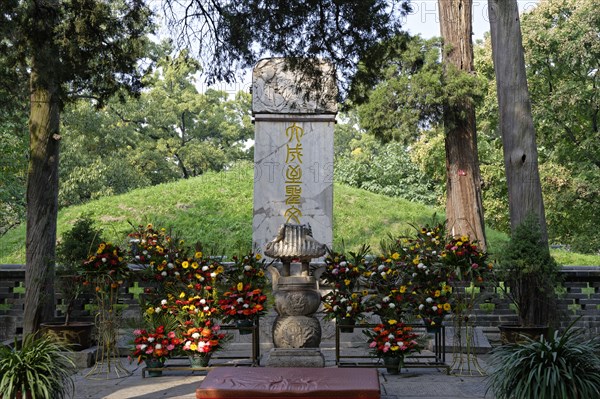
[(529, 274), (71, 251), (564, 365), (37, 367)]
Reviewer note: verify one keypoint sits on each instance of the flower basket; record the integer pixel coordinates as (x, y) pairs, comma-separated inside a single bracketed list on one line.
[(199, 360), (152, 364)]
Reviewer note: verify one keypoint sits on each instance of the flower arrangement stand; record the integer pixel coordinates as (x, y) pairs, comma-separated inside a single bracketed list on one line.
[(286, 382), (435, 360)]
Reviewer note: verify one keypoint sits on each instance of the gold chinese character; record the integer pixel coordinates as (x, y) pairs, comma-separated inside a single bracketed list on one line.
[(293, 153), (293, 214), (294, 131), (293, 174), (292, 194)]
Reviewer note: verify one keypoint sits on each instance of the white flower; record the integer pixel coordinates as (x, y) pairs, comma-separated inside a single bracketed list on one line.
[(145, 252), (343, 264), (434, 252), (246, 306), (335, 272), (434, 308), (157, 309), (143, 347), (247, 268), (163, 273), (335, 308), (391, 336), (344, 300), (400, 343), (137, 257), (421, 266), (421, 307), (429, 234), (104, 260), (206, 308), (150, 339), (163, 302), (380, 268), (213, 274), (383, 274), (201, 344), (170, 265), (414, 274), (204, 268), (240, 300), (158, 346), (429, 299), (386, 299), (387, 344), (348, 308), (392, 305), (202, 301), (177, 273), (196, 335)]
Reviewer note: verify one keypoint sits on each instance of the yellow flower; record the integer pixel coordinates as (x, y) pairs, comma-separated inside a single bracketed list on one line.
[(459, 244), (240, 286), (392, 322), (365, 292), (347, 282), (402, 289), (149, 226), (185, 264), (354, 295), (193, 347), (394, 347), (160, 267), (260, 273), (219, 270), (437, 293), (464, 238), (395, 256), (150, 310), (258, 257), (182, 295), (198, 276), (195, 265), (198, 255), (447, 307)]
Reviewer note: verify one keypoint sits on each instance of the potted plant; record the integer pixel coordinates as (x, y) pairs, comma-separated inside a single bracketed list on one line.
[(563, 366), (529, 274), (37, 367), (392, 341), (200, 342), (244, 299), (154, 346), (74, 247)]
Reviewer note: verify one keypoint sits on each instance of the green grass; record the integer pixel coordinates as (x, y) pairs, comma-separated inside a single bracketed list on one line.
[(216, 209)]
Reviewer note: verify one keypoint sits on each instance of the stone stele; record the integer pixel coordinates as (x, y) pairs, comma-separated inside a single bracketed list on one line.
[(294, 115)]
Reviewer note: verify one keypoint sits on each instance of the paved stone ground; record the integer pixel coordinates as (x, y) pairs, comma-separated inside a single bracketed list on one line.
[(412, 383)]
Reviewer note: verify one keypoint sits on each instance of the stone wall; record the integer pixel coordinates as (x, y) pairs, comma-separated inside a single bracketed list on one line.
[(579, 296)]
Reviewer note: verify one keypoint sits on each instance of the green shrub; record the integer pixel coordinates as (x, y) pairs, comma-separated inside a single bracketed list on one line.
[(38, 366), (565, 366)]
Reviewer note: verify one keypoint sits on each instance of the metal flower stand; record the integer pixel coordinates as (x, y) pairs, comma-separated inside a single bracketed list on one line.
[(464, 358), (108, 363)]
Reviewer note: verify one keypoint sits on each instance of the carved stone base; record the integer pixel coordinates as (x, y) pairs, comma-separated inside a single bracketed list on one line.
[(307, 357), (293, 332)]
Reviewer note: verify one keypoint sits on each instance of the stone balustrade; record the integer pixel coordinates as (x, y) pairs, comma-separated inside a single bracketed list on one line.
[(579, 296)]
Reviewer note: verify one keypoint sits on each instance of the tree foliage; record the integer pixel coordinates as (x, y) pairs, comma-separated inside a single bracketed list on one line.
[(232, 35), (171, 131)]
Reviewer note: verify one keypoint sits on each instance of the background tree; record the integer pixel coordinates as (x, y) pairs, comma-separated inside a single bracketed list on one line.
[(464, 207), (69, 48), (515, 122)]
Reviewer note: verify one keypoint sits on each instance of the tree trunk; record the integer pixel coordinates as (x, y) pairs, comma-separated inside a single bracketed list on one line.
[(464, 206), (42, 178), (516, 122)]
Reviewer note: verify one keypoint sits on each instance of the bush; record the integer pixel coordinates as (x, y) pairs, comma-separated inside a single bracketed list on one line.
[(564, 366)]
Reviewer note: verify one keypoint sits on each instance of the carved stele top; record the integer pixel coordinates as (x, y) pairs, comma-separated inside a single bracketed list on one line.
[(276, 89), (295, 241)]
